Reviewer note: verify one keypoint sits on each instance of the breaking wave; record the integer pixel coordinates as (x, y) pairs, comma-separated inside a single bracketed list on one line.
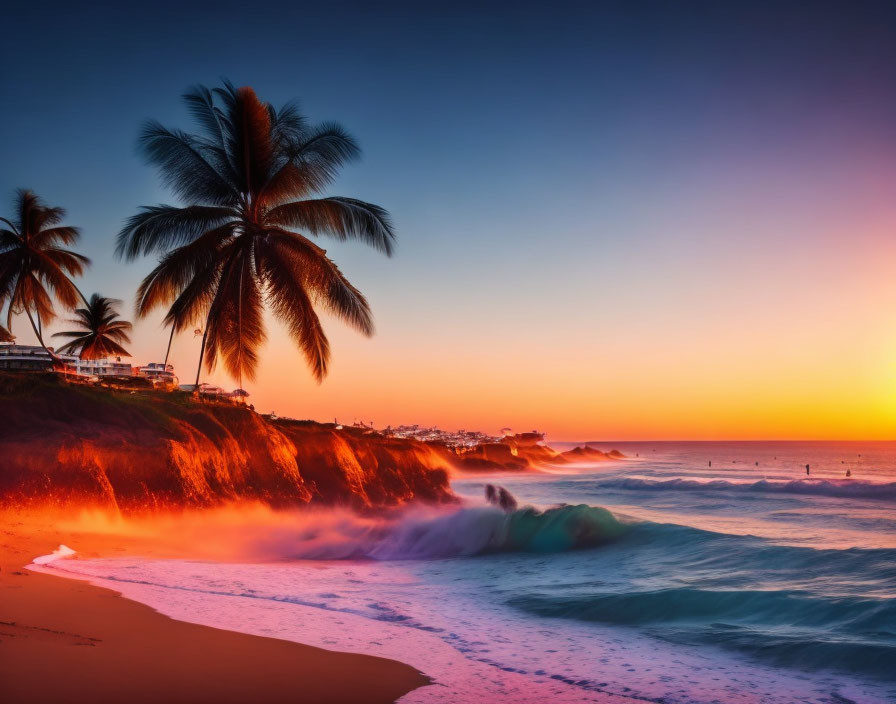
[(460, 533)]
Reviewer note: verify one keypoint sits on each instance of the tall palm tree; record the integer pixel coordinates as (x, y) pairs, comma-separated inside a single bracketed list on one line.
[(101, 332), (248, 182), (34, 267)]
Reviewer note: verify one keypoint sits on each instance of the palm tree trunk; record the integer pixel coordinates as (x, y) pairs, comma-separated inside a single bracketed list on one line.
[(168, 351), (83, 297), (201, 355), (40, 337)]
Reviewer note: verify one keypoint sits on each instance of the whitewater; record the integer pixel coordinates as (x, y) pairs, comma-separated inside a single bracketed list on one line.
[(685, 573)]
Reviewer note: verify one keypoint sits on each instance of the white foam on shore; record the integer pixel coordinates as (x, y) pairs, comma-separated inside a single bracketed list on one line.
[(59, 553), (456, 679), (472, 652)]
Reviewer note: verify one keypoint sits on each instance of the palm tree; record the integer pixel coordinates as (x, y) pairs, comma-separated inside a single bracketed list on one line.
[(101, 331), (248, 182), (34, 267)]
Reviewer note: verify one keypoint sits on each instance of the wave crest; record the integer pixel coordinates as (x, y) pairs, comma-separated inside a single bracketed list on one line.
[(460, 533), (847, 488)]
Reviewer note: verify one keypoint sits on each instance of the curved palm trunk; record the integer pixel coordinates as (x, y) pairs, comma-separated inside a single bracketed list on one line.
[(83, 297), (201, 355), (168, 351), (40, 338)]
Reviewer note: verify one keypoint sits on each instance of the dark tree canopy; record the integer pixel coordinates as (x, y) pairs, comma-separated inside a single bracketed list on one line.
[(101, 332), (251, 182), (34, 266)]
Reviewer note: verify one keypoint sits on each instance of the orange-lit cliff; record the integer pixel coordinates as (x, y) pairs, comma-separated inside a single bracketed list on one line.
[(62, 443)]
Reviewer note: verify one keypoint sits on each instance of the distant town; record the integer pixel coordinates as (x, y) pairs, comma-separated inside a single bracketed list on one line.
[(458, 440), (117, 372)]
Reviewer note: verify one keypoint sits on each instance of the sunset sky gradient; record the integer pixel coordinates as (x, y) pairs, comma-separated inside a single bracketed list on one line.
[(615, 220)]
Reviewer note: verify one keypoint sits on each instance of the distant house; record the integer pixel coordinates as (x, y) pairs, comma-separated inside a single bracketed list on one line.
[(27, 358), (159, 373), (211, 391), (106, 366), (115, 370)]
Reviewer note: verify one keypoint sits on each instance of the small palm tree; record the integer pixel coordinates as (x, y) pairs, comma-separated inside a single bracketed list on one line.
[(248, 183), (101, 332), (34, 268)]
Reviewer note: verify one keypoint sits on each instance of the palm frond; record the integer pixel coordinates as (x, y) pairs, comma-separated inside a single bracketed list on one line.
[(340, 218), (236, 331), (185, 168), (321, 151), (292, 305), (251, 145), (101, 330), (56, 236), (322, 279), (159, 228)]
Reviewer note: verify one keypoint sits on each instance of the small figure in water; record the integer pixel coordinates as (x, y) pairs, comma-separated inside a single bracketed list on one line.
[(499, 496), (757, 464), (710, 463), (848, 473), (807, 470)]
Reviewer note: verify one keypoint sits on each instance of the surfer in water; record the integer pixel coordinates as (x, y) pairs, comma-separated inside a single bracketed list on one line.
[(499, 496), (848, 473), (807, 470)]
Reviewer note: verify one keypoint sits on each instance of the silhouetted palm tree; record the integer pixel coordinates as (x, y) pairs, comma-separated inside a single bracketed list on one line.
[(34, 268), (247, 181), (101, 330)]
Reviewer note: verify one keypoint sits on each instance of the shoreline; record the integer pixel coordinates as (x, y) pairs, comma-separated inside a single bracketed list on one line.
[(64, 639)]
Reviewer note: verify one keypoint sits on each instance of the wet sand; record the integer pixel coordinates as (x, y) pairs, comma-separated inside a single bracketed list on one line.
[(63, 640)]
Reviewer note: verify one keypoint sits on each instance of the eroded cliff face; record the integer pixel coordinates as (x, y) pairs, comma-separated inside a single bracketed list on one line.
[(513, 455), (62, 443)]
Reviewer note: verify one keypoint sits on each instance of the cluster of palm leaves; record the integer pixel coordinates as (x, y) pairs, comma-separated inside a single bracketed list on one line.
[(101, 331), (240, 242), (248, 181), (35, 268)]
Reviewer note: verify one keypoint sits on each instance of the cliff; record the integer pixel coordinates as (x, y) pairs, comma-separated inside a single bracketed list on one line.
[(62, 443), (589, 454), (524, 451)]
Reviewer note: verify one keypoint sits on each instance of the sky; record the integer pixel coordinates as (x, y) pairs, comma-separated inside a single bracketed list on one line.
[(616, 220)]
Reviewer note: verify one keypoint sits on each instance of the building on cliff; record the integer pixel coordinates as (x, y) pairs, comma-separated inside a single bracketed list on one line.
[(33, 358), (159, 373), (27, 358), (107, 366)]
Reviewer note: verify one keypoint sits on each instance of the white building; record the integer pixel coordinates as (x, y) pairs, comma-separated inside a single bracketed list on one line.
[(114, 366), (15, 357), (159, 373), (28, 358)]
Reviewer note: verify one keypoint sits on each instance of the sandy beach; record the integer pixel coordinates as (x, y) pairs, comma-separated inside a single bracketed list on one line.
[(66, 640)]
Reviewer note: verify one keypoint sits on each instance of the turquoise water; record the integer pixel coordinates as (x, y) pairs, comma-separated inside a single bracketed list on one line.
[(749, 555)]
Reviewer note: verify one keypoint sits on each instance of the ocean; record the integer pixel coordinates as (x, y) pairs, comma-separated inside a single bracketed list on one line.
[(685, 573)]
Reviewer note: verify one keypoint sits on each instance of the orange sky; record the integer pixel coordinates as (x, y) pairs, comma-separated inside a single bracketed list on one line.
[(739, 343)]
